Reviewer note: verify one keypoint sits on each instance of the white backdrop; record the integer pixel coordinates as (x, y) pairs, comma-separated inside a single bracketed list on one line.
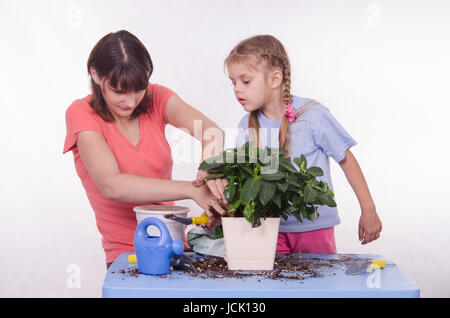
[(381, 67)]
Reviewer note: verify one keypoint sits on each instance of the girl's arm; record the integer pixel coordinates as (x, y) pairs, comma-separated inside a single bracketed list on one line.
[(186, 117), (114, 185), (370, 224)]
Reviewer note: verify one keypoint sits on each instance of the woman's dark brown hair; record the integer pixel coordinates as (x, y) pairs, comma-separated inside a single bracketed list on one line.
[(125, 63)]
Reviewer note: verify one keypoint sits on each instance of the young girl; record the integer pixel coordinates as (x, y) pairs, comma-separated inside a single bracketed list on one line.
[(259, 70)]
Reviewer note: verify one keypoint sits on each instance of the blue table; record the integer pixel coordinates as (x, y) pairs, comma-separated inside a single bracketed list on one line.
[(331, 281)]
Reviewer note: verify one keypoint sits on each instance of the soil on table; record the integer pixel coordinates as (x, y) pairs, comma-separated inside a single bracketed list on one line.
[(285, 267)]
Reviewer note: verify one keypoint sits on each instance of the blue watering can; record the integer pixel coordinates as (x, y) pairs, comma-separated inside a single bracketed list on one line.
[(154, 253)]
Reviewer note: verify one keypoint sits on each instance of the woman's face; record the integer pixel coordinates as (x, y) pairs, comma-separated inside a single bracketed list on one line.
[(121, 104)]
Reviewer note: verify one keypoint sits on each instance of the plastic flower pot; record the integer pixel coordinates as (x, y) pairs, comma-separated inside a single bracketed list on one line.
[(247, 247)]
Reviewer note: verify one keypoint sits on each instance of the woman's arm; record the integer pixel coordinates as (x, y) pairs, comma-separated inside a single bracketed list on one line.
[(114, 185), (183, 116), (370, 224)]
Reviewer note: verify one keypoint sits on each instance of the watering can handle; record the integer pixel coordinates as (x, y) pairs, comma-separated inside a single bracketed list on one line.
[(177, 245), (145, 223)]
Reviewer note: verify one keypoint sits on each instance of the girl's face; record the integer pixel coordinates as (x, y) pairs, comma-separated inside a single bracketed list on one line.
[(250, 85)]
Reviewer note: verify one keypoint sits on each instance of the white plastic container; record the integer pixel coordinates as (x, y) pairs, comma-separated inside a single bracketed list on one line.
[(176, 229), (248, 248)]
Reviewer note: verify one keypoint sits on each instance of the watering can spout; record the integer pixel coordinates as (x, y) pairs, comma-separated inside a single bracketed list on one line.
[(154, 253)]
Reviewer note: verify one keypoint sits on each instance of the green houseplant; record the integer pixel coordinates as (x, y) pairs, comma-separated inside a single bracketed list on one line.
[(281, 191), (262, 184)]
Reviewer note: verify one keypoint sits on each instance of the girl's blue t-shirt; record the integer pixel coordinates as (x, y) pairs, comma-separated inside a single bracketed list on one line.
[(315, 134)]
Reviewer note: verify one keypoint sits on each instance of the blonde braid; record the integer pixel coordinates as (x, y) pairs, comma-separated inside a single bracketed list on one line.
[(287, 81), (283, 135), (278, 59)]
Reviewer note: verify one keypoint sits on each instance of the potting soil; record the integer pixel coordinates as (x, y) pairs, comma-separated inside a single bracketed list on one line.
[(286, 266)]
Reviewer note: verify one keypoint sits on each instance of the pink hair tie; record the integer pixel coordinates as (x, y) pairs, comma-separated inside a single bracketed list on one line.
[(290, 113)]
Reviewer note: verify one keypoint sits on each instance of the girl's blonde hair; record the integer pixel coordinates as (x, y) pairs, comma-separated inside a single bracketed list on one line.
[(266, 48)]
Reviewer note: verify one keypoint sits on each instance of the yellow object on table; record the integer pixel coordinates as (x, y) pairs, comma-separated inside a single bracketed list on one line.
[(132, 259), (200, 219), (377, 264)]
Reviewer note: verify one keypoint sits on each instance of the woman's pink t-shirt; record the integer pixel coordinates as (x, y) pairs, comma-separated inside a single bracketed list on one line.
[(152, 158)]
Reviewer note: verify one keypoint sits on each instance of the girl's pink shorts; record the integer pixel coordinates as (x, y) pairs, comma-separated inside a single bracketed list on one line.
[(316, 242)]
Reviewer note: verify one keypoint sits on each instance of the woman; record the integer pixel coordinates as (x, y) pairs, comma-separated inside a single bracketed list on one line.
[(117, 138)]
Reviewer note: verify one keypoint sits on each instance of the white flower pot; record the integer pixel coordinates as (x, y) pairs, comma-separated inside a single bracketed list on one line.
[(248, 248)]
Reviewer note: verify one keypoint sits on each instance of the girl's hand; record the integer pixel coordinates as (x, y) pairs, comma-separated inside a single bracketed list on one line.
[(208, 202), (369, 226), (216, 186)]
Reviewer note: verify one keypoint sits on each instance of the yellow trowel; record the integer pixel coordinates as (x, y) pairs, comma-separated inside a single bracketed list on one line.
[(191, 220)]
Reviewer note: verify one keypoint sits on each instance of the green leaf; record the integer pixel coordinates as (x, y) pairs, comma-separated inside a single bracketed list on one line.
[(301, 162), (233, 206), (310, 194), (315, 171), (277, 200), (256, 222), (273, 176), (250, 190), (330, 193), (205, 166), (230, 170), (293, 181), (303, 211), (282, 187), (319, 189), (230, 190), (265, 157), (245, 169), (303, 159), (248, 212), (326, 199), (219, 231), (296, 213), (296, 199), (286, 163), (311, 212), (213, 176), (267, 192)]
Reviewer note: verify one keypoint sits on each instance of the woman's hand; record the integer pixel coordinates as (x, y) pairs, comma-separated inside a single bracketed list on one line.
[(216, 186), (369, 226), (208, 202), (214, 221)]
